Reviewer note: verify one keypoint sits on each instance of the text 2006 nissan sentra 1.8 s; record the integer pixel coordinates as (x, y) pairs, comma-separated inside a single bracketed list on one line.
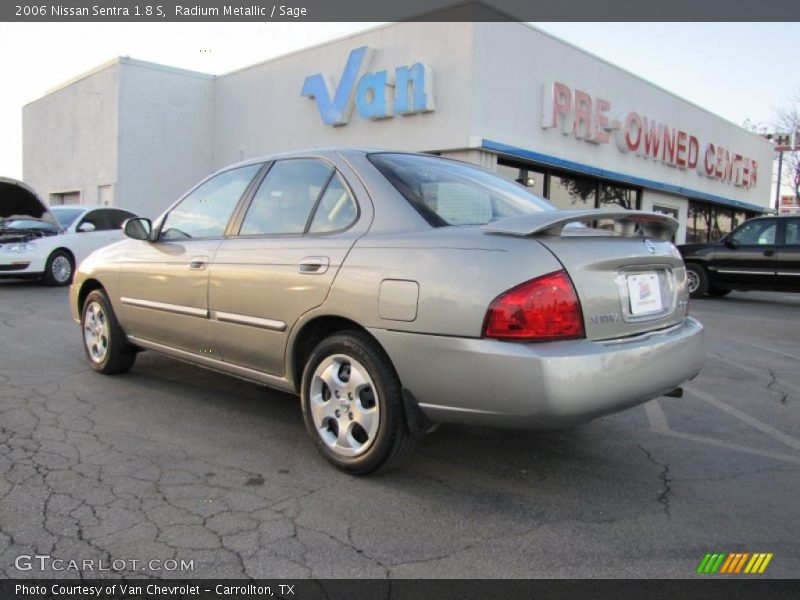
[(395, 291)]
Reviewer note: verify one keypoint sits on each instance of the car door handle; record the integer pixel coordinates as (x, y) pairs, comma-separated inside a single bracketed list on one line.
[(769, 252), (198, 263), (314, 265)]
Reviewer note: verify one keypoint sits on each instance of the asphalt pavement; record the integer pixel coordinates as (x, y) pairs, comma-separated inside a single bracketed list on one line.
[(172, 462)]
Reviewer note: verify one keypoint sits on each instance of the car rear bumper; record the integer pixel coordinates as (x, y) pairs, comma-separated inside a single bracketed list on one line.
[(541, 386)]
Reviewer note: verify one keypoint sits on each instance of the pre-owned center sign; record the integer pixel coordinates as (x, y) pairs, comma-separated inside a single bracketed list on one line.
[(582, 116)]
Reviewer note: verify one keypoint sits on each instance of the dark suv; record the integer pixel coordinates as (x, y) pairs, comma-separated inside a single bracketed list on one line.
[(760, 254)]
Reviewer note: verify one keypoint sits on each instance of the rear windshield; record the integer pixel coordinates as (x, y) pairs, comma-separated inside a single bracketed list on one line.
[(448, 192)]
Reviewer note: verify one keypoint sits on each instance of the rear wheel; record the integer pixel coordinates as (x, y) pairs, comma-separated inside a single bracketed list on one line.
[(353, 405), (103, 339), (59, 268), (697, 279)]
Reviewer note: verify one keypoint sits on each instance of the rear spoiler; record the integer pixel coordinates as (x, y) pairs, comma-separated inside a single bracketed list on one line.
[(650, 224)]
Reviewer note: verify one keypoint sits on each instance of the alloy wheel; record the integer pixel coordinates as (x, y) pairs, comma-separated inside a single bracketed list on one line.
[(96, 332), (693, 280), (61, 269)]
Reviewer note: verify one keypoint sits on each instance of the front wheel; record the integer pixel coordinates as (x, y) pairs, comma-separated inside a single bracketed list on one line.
[(697, 279), (103, 340), (59, 269), (353, 404)]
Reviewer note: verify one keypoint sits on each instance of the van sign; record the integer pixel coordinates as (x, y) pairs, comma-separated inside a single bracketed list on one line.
[(407, 90)]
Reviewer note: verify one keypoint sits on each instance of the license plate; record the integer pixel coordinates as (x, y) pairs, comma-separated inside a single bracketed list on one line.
[(644, 291)]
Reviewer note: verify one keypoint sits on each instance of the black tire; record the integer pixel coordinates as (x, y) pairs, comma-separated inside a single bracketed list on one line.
[(393, 440), (718, 292), (59, 269), (698, 287), (119, 356)]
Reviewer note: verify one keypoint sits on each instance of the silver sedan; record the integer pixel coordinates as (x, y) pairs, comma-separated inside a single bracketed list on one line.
[(396, 291)]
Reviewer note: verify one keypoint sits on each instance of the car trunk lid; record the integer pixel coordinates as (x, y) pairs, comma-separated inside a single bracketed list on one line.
[(629, 281)]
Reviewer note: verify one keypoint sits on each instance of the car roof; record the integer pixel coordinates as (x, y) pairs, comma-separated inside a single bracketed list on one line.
[(87, 207)]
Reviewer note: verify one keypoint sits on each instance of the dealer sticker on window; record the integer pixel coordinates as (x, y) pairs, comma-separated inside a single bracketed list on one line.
[(644, 291)]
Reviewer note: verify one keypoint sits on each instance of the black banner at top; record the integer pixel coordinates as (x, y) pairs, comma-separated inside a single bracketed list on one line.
[(392, 10)]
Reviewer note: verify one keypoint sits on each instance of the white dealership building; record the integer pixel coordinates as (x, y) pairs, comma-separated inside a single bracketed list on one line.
[(574, 128)]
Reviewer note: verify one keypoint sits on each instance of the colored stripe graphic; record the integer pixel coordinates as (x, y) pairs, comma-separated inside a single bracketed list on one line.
[(728, 564), (759, 563), (741, 562), (702, 566), (713, 567), (723, 563), (733, 562), (765, 563)]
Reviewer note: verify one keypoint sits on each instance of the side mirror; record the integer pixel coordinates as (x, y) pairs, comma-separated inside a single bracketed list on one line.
[(86, 227), (138, 228), (728, 241)]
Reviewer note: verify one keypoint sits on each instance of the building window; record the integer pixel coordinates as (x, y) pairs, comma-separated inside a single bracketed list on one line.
[(613, 195), (710, 223), (699, 223), (570, 192), (65, 198), (721, 224), (532, 179)]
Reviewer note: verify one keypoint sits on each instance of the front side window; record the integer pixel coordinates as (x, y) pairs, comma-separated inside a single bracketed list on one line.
[(98, 218), (283, 202), (117, 217), (205, 212), (756, 233), (447, 192)]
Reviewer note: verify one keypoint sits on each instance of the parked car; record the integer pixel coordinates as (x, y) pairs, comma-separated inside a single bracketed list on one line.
[(761, 254), (395, 291), (47, 243)]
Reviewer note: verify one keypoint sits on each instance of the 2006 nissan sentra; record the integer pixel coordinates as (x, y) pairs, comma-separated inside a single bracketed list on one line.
[(395, 291)]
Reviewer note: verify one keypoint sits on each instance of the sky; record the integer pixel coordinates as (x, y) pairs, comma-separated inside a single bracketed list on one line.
[(736, 70)]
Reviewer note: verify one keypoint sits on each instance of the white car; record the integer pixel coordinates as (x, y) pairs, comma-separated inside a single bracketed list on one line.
[(47, 243)]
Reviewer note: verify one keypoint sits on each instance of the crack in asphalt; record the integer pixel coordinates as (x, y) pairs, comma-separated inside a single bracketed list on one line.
[(89, 494), (663, 496), (774, 381)]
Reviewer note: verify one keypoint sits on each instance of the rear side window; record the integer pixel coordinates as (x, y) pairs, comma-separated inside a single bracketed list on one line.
[(205, 212), (448, 192), (336, 209), (286, 197)]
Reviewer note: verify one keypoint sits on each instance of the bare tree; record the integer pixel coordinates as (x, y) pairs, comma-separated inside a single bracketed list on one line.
[(786, 121)]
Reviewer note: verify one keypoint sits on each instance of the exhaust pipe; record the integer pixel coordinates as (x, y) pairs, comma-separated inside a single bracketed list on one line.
[(676, 393)]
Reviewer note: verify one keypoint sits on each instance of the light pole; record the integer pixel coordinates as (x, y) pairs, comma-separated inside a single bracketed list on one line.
[(784, 142), (778, 187)]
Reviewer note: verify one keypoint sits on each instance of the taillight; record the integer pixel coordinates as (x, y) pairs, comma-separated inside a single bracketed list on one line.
[(542, 309)]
